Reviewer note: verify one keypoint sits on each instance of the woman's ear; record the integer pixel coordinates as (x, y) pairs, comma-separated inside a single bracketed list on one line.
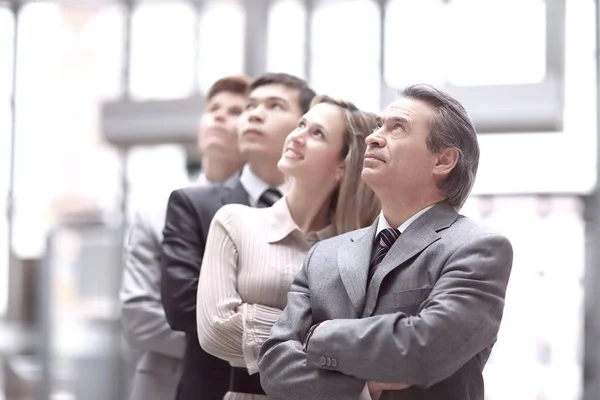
[(340, 171)]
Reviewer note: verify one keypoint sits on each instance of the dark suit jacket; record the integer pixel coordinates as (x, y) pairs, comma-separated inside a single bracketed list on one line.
[(429, 316), (189, 214)]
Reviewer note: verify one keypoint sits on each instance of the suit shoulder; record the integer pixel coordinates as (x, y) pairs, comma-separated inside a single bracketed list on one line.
[(466, 229), (198, 193), (342, 239)]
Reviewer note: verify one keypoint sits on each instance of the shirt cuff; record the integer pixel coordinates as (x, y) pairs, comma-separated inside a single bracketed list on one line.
[(308, 336)]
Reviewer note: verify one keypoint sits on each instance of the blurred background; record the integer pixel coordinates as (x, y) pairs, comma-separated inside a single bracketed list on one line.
[(99, 102)]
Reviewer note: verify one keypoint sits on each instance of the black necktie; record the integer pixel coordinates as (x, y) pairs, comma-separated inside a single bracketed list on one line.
[(385, 240), (268, 198)]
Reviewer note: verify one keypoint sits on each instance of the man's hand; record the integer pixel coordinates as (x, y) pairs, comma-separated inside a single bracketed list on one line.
[(376, 388)]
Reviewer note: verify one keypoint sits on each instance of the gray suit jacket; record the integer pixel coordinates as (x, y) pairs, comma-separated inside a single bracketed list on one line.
[(429, 317), (143, 318)]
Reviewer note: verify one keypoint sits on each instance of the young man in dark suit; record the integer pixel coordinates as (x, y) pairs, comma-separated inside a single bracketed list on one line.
[(274, 106)]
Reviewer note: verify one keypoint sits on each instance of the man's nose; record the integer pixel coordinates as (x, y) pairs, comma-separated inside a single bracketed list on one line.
[(220, 116), (375, 139), (257, 113)]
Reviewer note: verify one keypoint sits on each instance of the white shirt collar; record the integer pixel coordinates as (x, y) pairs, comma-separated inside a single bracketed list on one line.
[(384, 224), (201, 180), (256, 186)]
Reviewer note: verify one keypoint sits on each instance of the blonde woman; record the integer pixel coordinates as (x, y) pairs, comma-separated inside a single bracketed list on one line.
[(253, 254)]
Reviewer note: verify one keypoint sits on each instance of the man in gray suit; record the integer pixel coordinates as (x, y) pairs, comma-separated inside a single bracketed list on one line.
[(143, 318), (410, 307)]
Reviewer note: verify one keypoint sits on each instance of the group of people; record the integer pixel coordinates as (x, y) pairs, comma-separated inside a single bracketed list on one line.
[(319, 255)]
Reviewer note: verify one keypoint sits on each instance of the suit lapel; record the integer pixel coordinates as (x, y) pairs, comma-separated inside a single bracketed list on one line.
[(237, 195), (416, 238), (353, 262)]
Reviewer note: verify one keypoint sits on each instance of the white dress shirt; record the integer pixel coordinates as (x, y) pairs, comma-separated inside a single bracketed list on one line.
[(202, 180), (384, 224), (256, 186)]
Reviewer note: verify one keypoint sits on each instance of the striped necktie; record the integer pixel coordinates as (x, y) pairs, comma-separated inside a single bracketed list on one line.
[(268, 198), (385, 240)]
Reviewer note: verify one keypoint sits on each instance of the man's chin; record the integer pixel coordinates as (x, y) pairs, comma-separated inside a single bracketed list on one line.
[(370, 175)]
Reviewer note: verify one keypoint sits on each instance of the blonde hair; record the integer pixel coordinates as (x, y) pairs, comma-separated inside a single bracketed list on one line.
[(353, 204)]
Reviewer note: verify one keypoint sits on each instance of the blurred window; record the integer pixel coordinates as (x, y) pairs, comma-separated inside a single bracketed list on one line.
[(221, 42), (345, 41), (41, 43), (162, 44), (496, 42), (465, 42), (286, 37), (7, 25), (105, 33), (414, 49)]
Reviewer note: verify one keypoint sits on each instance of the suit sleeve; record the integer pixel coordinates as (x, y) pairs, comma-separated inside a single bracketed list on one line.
[(182, 252), (143, 318), (284, 372), (460, 318), (222, 330)]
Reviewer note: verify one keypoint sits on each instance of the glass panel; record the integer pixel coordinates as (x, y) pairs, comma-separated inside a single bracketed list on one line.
[(153, 173), (539, 356), (7, 25), (496, 42), (83, 274), (162, 43), (414, 44), (286, 38), (221, 41), (105, 34), (38, 102), (346, 52), (466, 42)]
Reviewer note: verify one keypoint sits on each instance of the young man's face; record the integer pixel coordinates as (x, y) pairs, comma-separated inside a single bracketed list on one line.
[(217, 136), (272, 112)]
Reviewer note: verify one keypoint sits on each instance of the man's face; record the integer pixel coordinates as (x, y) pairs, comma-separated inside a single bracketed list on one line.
[(397, 154), (217, 135), (271, 113)]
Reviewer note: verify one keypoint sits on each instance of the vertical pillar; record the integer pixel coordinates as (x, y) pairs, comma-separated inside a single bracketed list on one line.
[(255, 39), (591, 340)]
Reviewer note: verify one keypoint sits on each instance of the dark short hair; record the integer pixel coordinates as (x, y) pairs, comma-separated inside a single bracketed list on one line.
[(237, 84), (450, 126), (290, 81)]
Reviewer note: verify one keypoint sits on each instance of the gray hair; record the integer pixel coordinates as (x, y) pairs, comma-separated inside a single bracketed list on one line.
[(450, 126)]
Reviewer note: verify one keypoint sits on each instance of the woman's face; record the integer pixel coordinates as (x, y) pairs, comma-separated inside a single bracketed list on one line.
[(312, 153)]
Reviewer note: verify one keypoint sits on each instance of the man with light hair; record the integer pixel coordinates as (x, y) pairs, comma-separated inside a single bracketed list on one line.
[(143, 319)]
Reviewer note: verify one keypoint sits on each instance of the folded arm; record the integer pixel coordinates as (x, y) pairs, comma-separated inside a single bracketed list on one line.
[(283, 368), (460, 318), (228, 328), (143, 318)]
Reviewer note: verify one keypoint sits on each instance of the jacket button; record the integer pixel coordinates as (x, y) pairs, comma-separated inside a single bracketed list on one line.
[(333, 362), (328, 362), (323, 361)]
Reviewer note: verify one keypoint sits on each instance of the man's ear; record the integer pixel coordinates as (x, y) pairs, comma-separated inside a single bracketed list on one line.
[(445, 161)]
